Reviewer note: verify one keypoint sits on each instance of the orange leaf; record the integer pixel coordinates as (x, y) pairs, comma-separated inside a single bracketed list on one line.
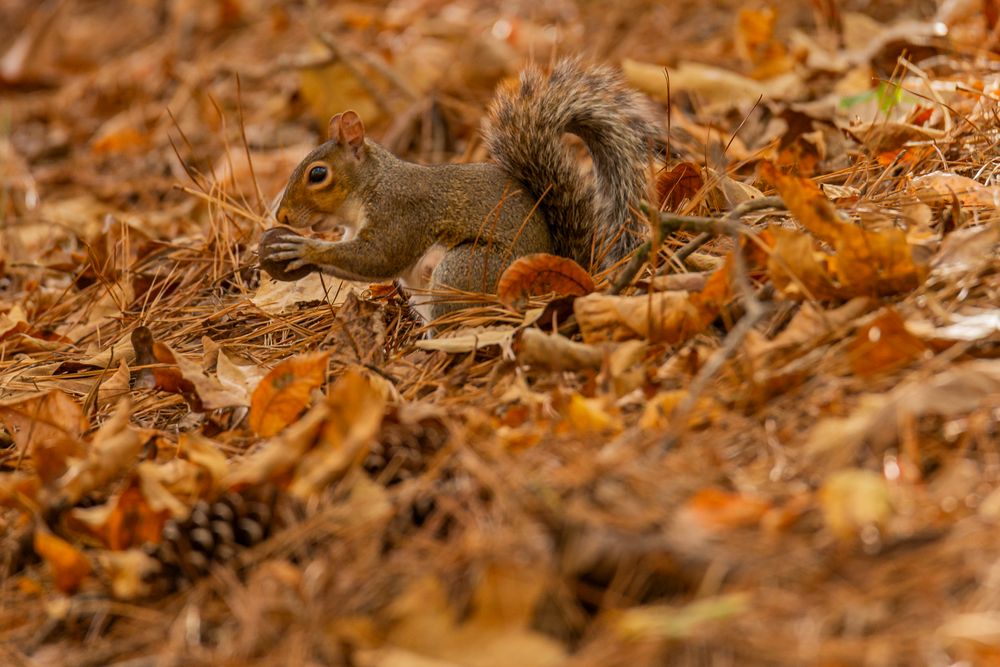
[(755, 42), (540, 273), (884, 344), (69, 565), (133, 521), (680, 183), (714, 508), (285, 392), (865, 262), (168, 378)]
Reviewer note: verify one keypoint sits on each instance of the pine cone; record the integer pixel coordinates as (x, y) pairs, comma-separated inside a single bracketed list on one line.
[(213, 533), (410, 436)]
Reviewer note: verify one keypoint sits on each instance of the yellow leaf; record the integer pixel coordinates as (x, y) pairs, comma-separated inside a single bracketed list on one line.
[(589, 415), (854, 499)]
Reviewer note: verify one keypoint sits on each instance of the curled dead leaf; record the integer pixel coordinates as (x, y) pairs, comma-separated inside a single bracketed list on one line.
[(539, 274), (675, 185)]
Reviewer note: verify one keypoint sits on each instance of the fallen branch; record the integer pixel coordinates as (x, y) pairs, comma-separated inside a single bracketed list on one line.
[(728, 225)]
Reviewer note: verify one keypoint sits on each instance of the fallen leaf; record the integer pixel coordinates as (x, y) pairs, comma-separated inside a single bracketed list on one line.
[(940, 188), (716, 509), (286, 391), (854, 499), (658, 411), (496, 634), (884, 344), (540, 274), (957, 390), (276, 296), (115, 447), (755, 42), (357, 404), (49, 427), (590, 415), (463, 341), (677, 184), (864, 262), (70, 567), (538, 349), (677, 622)]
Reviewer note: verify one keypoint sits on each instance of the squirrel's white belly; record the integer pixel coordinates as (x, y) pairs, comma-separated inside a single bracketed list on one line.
[(416, 280)]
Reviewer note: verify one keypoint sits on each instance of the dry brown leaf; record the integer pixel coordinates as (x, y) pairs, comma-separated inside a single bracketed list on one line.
[(755, 42), (132, 521), (643, 623), (115, 447), (810, 327), (115, 386), (865, 262), (276, 457), (332, 89), (161, 372), (129, 573), (211, 392), (553, 351), (883, 345), (958, 390), (204, 453), (276, 296), (659, 410), (540, 274), (677, 184), (463, 341), (721, 89), (286, 391), (18, 487), (941, 188), (590, 415), (357, 403), (967, 251), (47, 426)]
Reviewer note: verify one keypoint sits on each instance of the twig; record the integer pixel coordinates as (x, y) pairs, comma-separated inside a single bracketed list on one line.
[(728, 225), (752, 314)]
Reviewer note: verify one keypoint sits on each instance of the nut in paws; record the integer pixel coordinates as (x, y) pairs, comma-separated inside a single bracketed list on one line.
[(281, 251)]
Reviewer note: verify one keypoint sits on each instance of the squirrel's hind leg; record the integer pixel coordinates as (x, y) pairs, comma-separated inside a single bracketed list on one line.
[(468, 268)]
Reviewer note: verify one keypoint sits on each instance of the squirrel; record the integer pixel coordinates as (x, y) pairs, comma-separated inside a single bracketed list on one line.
[(478, 218)]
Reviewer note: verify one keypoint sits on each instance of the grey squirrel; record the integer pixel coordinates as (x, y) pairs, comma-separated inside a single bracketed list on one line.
[(482, 216)]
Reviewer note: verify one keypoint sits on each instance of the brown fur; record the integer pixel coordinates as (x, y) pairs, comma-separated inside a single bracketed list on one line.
[(485, 215)]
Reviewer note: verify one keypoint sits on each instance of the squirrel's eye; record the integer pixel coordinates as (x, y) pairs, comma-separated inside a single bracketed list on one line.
[(317, 174)]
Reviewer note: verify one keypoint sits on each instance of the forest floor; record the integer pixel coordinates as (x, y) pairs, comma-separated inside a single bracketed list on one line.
[(787, 454)]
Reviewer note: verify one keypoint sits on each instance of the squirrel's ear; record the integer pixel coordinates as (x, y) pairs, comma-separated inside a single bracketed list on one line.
[(333, 129), (352, 131)]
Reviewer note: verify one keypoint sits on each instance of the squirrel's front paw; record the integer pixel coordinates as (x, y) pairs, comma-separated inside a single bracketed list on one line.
[(282, 254)]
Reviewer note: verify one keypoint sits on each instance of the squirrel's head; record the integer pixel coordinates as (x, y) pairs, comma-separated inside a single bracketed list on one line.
[(322, 183)]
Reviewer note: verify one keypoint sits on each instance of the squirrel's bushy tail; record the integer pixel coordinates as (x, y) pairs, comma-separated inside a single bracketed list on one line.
[(591, 220)]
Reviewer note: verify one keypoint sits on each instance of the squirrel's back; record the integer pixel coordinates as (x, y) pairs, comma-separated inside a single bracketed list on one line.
[(592, 221)]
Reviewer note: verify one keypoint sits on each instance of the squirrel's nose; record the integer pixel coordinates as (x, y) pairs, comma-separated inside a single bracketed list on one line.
[(282, 215)]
